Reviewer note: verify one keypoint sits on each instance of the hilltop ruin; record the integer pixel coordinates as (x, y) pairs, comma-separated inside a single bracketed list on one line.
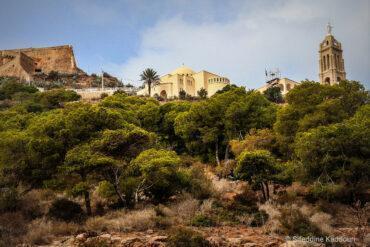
[(48, 64), (30, 62)]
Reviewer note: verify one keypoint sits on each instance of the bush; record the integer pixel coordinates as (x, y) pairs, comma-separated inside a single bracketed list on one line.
[(183, 237), (103, 95), (226, 169), (295, 223), (9, 199), (259, 218), (200, 186), (66, 210), (329, 192), (247, 198), (12, 227), (202, 220)]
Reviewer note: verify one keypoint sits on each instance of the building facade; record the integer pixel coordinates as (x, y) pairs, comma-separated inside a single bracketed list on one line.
[(284, 84), (331, 60), (184, 78)]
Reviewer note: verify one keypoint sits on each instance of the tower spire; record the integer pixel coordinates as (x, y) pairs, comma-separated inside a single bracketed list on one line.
[(331, 61), (329, 28)]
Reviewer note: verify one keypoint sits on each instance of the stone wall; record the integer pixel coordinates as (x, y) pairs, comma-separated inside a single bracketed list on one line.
[(58, 58)]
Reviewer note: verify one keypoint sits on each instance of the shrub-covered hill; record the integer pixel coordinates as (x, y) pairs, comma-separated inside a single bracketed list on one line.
[(183, 169)]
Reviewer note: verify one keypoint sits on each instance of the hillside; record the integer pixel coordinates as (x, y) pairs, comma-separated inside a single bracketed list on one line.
[(235, 169)]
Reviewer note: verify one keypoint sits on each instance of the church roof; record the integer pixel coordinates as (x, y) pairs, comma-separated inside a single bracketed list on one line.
[(183, 70)]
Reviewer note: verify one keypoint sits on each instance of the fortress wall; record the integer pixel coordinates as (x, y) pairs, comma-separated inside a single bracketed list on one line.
[(58, 58), (15, 68)]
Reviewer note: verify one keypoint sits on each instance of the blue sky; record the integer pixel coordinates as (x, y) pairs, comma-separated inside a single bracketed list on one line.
[(236, 39)]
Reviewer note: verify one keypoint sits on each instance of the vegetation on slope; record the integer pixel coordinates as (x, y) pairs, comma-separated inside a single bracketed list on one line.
[(129, 151)]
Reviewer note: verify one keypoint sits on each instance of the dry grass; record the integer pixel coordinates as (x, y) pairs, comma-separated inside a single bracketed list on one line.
[(147, 218), (223, 186), (323, 221), (185, 209), (273, 223), (139, 220), (206, 207), (42, 231), (39, 232), (12, 226)]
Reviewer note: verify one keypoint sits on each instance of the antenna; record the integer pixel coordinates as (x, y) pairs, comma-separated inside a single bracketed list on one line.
[(272, 74)]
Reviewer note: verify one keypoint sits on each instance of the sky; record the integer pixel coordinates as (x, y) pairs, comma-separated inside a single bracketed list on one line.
[(237, 39)]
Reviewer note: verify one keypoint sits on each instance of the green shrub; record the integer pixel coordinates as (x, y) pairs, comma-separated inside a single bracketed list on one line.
[(11, 86), (183, 237), (329, 192), (66, 210), (199, 185), (202, 220), (103, 95)]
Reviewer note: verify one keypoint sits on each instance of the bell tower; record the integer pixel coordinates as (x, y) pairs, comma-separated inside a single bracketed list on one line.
[(331, 60)]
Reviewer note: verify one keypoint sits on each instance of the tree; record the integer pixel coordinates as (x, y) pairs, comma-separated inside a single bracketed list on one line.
[(202, 93), (209, 125), (150, 78), (255, 140), (254, 112), (82, 161), (258, 168), (159, 174), (148, 115), (273, 94), (227, 88), (166, 129), (33, 154), (311, 104), (11, 86), (54, 98), (182, 94), (338, 153), (123, 145)]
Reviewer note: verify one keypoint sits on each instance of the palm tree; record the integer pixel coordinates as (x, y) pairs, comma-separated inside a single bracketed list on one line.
[(150, 77)]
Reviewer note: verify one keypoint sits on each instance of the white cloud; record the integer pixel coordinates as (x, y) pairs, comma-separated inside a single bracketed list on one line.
[(284, 35)]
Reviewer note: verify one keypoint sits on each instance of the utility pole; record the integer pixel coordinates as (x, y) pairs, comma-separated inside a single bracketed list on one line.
[(102, 80)]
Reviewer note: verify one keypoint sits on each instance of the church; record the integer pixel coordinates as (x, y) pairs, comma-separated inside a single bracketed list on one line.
[(184, 78), (331, 60), (331, 66)]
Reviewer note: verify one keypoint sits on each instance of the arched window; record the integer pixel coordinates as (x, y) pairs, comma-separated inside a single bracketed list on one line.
[(324, 60), (164, 94), (327, 80), (338, 79), (328, 61)]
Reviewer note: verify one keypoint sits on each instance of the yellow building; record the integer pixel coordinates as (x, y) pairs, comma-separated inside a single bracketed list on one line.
[(184, 78), (284, 84)]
